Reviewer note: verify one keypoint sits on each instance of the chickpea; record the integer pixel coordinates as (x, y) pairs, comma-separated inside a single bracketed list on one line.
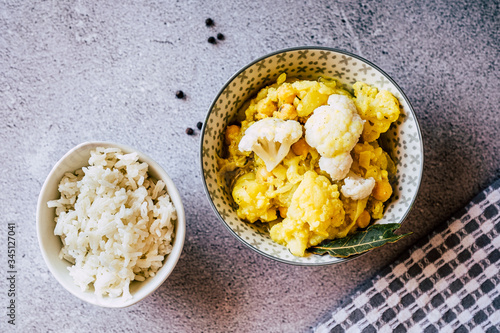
[(283, 211), (382, 191), (231, 133), (286, 94), (300, 147), (363, 220), (265, 108)]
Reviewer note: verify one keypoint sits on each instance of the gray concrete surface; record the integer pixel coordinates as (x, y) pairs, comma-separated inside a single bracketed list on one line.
[(72, 71)]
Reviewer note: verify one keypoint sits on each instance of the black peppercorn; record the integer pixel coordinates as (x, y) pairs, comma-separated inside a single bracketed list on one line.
[(189, 131), (220, 36), (209, 22), (199, 125), (212, 40), (179, 94)]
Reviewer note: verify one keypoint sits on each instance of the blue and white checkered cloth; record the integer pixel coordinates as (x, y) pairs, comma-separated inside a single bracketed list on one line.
[(448, 282)]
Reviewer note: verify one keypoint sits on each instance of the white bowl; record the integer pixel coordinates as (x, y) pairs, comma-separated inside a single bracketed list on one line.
[(403, 139), (50, 245)]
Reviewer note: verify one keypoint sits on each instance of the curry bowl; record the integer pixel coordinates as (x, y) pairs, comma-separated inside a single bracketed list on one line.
[(403, 140)]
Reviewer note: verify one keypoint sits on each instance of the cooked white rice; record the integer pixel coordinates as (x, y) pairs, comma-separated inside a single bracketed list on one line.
[(115, 223)]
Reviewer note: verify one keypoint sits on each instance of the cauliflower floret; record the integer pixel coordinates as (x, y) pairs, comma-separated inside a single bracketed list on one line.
[(315, 213), (379, 109), (337, 167), (335, 128), (271, 139), (310, 95), (253, 203), (357, 187), (263, 105)]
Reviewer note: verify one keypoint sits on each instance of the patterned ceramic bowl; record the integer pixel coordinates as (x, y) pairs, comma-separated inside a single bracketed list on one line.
[(403, 138)]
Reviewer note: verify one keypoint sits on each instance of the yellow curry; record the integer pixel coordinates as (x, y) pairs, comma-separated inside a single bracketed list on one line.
[(306, 160)]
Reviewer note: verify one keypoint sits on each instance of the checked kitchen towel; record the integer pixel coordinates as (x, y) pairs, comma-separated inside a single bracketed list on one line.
[(448, 282)]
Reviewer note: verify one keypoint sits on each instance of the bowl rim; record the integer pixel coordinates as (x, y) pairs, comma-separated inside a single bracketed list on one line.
[(180, 226), (319, 48)]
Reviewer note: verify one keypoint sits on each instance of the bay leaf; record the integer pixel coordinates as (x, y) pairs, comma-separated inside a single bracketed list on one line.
[(374, 236)]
